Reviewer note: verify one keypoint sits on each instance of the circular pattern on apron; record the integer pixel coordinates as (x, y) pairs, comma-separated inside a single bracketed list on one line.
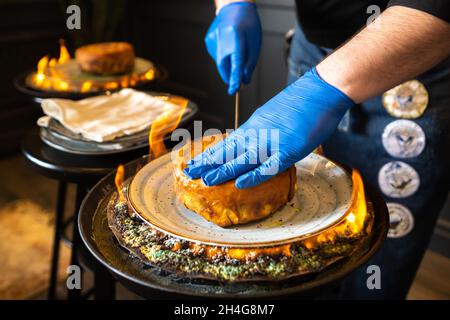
[(398, 179), (407, 100), (401, 220), (403, 139)]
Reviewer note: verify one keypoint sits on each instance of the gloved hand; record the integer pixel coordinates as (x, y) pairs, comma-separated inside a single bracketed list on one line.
[(303, 115), (234, 41)]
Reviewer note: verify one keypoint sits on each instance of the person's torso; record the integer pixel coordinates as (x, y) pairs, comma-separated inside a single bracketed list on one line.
[(328, 23)]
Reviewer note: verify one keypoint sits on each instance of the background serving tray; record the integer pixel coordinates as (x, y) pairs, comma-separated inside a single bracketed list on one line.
[(71, 72), (58, 137)]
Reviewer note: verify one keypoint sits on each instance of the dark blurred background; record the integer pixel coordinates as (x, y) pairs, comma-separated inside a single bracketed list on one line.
[(169, 33)]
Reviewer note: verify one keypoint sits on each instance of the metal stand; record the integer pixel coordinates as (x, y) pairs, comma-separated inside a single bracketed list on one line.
[(75, 294), (60, 205), (84, 171)]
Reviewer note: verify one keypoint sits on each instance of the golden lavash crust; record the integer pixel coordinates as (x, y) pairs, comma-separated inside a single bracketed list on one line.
[(225, 204), (106, 58)]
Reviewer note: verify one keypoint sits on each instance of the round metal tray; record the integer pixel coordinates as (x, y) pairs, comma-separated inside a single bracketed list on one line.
[(151, 282), (37, 95)]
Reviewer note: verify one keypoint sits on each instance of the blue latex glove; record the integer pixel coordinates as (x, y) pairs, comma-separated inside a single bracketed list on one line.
[(234, 41), (304, 114)]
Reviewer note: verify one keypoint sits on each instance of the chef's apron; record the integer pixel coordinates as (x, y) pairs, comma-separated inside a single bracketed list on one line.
[(400, 142)]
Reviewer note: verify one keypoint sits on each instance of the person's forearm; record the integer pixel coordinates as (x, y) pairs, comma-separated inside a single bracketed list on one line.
[(406, 43)]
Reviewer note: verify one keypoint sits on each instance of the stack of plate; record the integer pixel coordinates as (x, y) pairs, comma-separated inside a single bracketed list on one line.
[(58, 137)]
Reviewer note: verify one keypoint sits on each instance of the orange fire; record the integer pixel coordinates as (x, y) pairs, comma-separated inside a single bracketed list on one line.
[(64, 54), (53, 62), (354, 220), (41, 69), (44, 76), (150, 74), (351, 225), (237, 253), (47, 77), (164, 124), (86, 86), (60, 85), (118, 180)]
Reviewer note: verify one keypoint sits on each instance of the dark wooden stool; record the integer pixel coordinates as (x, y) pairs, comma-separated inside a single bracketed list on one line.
[(84, 172)]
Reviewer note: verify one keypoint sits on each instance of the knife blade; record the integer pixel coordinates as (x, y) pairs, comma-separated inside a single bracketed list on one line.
[(236, 110)]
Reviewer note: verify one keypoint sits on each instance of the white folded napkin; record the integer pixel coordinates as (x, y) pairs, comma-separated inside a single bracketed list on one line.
[(107, 117)]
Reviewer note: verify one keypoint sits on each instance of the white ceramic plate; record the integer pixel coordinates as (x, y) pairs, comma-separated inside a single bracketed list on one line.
[(322, 198)]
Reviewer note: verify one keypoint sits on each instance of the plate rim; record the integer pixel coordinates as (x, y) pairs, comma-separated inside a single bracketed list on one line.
[(264, 244)]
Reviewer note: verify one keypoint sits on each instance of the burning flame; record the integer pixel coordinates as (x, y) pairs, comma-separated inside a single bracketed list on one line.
[(86, 86), (46, 76), (111, 85), (61, 85), (44, 63), (124, 82), (353, 224), (150, 74), (41, 68), (118, 180), (354, 221), (64, 54), (164, 124), (238, 253), (53, 62)]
